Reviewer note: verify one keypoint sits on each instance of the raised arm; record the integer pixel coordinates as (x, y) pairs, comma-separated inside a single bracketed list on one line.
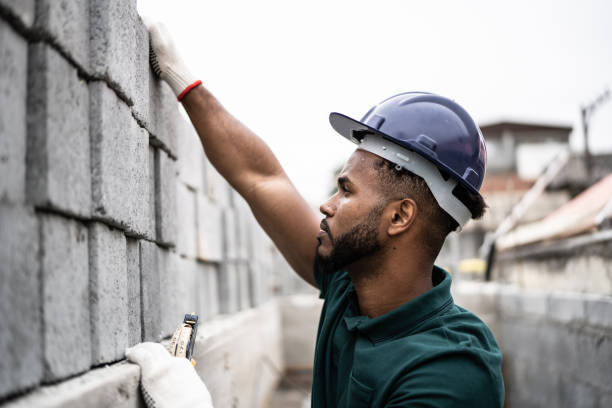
[(245, 161)]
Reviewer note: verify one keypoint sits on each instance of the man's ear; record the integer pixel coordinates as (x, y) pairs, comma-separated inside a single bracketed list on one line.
[(403, 213)]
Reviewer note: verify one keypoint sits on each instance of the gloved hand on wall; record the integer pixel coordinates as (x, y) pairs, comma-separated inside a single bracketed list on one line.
[(166, 62), (167, 381)]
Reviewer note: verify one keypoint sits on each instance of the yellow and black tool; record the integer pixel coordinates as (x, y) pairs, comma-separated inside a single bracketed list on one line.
[(184, 337)]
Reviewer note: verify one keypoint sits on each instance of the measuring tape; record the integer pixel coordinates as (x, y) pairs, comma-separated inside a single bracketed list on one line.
[(183, 339)]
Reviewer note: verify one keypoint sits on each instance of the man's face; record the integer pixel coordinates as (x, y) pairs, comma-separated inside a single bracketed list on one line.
[(350, 230)]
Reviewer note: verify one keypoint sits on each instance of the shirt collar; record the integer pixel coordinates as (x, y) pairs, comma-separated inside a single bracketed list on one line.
[(405, 318)]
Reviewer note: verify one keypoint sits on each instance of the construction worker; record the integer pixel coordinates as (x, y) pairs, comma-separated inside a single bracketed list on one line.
[(390, 334)]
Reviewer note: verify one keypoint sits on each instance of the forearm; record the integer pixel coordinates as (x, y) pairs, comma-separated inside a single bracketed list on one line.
[(237, 153)]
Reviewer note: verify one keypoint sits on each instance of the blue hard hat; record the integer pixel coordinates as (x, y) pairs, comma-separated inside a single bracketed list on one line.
[(433, 126)]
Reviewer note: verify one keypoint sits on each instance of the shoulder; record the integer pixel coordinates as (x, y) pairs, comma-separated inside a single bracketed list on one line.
[(454, 379), (459, 365)]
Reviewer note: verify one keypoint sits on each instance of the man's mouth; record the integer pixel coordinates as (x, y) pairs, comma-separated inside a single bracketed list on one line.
[(324, 227)]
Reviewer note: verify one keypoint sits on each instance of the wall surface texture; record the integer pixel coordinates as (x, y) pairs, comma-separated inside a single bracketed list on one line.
[(556, 345), (112, 222)]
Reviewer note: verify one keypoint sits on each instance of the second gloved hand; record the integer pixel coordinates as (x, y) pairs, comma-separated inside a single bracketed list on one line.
[(168, 381)]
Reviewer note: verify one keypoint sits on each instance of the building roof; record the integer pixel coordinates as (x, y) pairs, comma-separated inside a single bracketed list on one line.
[(586, 212), (522, 126)]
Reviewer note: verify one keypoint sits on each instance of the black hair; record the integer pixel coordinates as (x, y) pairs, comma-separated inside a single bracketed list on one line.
[(397, 183)]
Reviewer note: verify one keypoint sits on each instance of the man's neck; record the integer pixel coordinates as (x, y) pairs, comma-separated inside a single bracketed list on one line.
[(383, 284)]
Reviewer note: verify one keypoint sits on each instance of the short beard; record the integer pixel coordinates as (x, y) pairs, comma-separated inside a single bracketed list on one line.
[(359, 242)]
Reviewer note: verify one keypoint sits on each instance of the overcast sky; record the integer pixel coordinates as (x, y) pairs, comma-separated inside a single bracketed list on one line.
[(282, 66)]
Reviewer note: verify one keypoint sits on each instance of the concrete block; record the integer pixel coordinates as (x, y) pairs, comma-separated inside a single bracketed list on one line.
[(188, 274), (140, 109), (170, 292), (230, 226), (13, 59), (20, 303), (150, 292), (66, 23), (108, 293), (186, 222), (229, 289), (191, 157), (244, 219), (65, 297), (219, 190), (210, 230), (20, 10), (258, 284), (566, 307), (120, 164), (133, 289), (109, 386), (58, 158), (599, 311), (164, 118), (208, 292), (114, 53), (244, 286), (165, 198), (152, 181)]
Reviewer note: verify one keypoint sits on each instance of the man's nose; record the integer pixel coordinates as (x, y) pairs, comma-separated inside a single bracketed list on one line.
[(327, 208)]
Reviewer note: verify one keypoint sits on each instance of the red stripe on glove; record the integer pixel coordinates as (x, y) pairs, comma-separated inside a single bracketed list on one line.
[(187, 90)]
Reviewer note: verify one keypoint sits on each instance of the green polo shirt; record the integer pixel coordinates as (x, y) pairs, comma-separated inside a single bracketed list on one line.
[(428, 352)]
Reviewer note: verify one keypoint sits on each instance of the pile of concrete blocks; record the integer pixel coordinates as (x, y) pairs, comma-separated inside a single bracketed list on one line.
[(112, 222)]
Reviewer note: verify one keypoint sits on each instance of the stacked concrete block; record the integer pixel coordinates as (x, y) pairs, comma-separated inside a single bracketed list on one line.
[(58, 164), (231, 241), (13, 59), (164, 119), (141, 74), (244, 286), (66, 24), (150, 292), (114, 53), (165, 198), (119, 164), (218, 189), (170, 292), (189, 277), (244, 219), (133, 292), (20, 10), (191, 164), (108, 293), (208, 292), (152, 193), (186, 222), (229, 288), (65, 297), (210, 230), (20, 303)]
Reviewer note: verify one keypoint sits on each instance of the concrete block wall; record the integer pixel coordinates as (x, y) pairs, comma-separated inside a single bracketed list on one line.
[(557, 345), (112, 222)]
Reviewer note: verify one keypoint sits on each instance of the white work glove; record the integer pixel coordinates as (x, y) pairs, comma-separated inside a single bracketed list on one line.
[(166, 62), (167, 381)]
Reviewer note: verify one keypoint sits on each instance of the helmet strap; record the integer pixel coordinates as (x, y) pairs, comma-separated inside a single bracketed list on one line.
[(441, 189)]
